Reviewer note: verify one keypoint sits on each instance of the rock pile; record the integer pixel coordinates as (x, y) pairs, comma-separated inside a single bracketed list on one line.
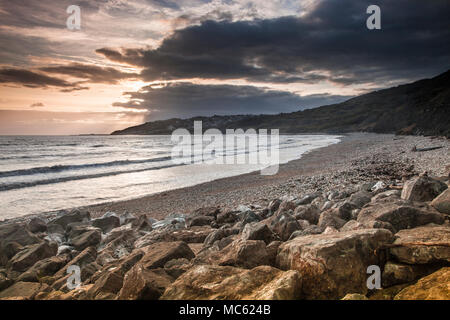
[(315, 246)]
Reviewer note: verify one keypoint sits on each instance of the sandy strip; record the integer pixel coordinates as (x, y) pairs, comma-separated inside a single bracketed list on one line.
[(357, 158)]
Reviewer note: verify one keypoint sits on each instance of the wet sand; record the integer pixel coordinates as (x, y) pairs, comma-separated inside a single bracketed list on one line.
[(357, 158)]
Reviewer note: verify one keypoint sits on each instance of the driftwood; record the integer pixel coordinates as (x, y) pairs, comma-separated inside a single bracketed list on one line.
[(425, 149)]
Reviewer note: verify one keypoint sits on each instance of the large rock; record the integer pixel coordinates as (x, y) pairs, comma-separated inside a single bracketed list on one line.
[(436, 286), (422, 188), (5, 282), (45, 267), (400, 214), (23, 290), (258, 231), (109, 280), (199, 220), (37, 225), (360, 198), (208, 282), (106, 224), (335, 264), (283, 224), (141, 283), (72, 216), (442, 202), (331, 218), (17, 232), (217, 235), (427, 244), (245, 253), (196, 234), (397, 273), (31, 254), (86, 239), (311, 213), (227, 217), (83, 259), (156, 255)]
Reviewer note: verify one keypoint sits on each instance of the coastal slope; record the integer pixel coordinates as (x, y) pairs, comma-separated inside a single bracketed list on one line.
[(419, 108)]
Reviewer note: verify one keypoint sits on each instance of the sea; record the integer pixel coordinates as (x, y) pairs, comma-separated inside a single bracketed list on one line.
[(40, 174)]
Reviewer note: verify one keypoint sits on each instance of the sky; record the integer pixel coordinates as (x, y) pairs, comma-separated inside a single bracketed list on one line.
[(142, 60)]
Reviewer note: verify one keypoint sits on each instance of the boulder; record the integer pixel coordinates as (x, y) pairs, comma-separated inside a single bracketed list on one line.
[(435, 286), (31, 254), (335, 264), (353, 225), (345, 210), (106, 224), (354, 296), (177, 267), (394, 194), (360, 198), (5, 282), (227, 217), (258, 231), (248, 217), (143, 223), (307, 199), (442, 202), (207, 211), (45, 267), (116, 246), (398, 273), (86, 239), (72, 216), (313, 229), (245, 254), (157, 254), (422, 245), (285, 206), (83, 259), (23, 290), (141, 283), (200, 220), (110, 281), (190, 235), (207, 282), (422, 188), (331, 218), (17, 232), (283, 224), (311, 213), (217, 235), (37, 225), (400, 214), (274, 205)]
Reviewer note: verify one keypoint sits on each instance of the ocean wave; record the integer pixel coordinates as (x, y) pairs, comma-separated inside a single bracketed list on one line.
[(60, 168), (21, 185)]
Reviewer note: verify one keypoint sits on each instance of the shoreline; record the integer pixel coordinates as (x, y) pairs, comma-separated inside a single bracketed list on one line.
[(254, 188), (339, 205), (228, 193)]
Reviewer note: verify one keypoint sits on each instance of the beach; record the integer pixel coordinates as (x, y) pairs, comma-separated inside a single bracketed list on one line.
[(354, 160), (316, 230)]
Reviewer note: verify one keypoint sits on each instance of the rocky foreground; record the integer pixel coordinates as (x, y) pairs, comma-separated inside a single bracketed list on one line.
[(315, 246)]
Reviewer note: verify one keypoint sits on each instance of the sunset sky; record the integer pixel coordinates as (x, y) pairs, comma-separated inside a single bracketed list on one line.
[(143, 60)]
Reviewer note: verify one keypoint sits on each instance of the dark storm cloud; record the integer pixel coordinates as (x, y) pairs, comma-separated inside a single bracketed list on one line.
[(91, 73), (185, 99), (32, 79), (330, 42)]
